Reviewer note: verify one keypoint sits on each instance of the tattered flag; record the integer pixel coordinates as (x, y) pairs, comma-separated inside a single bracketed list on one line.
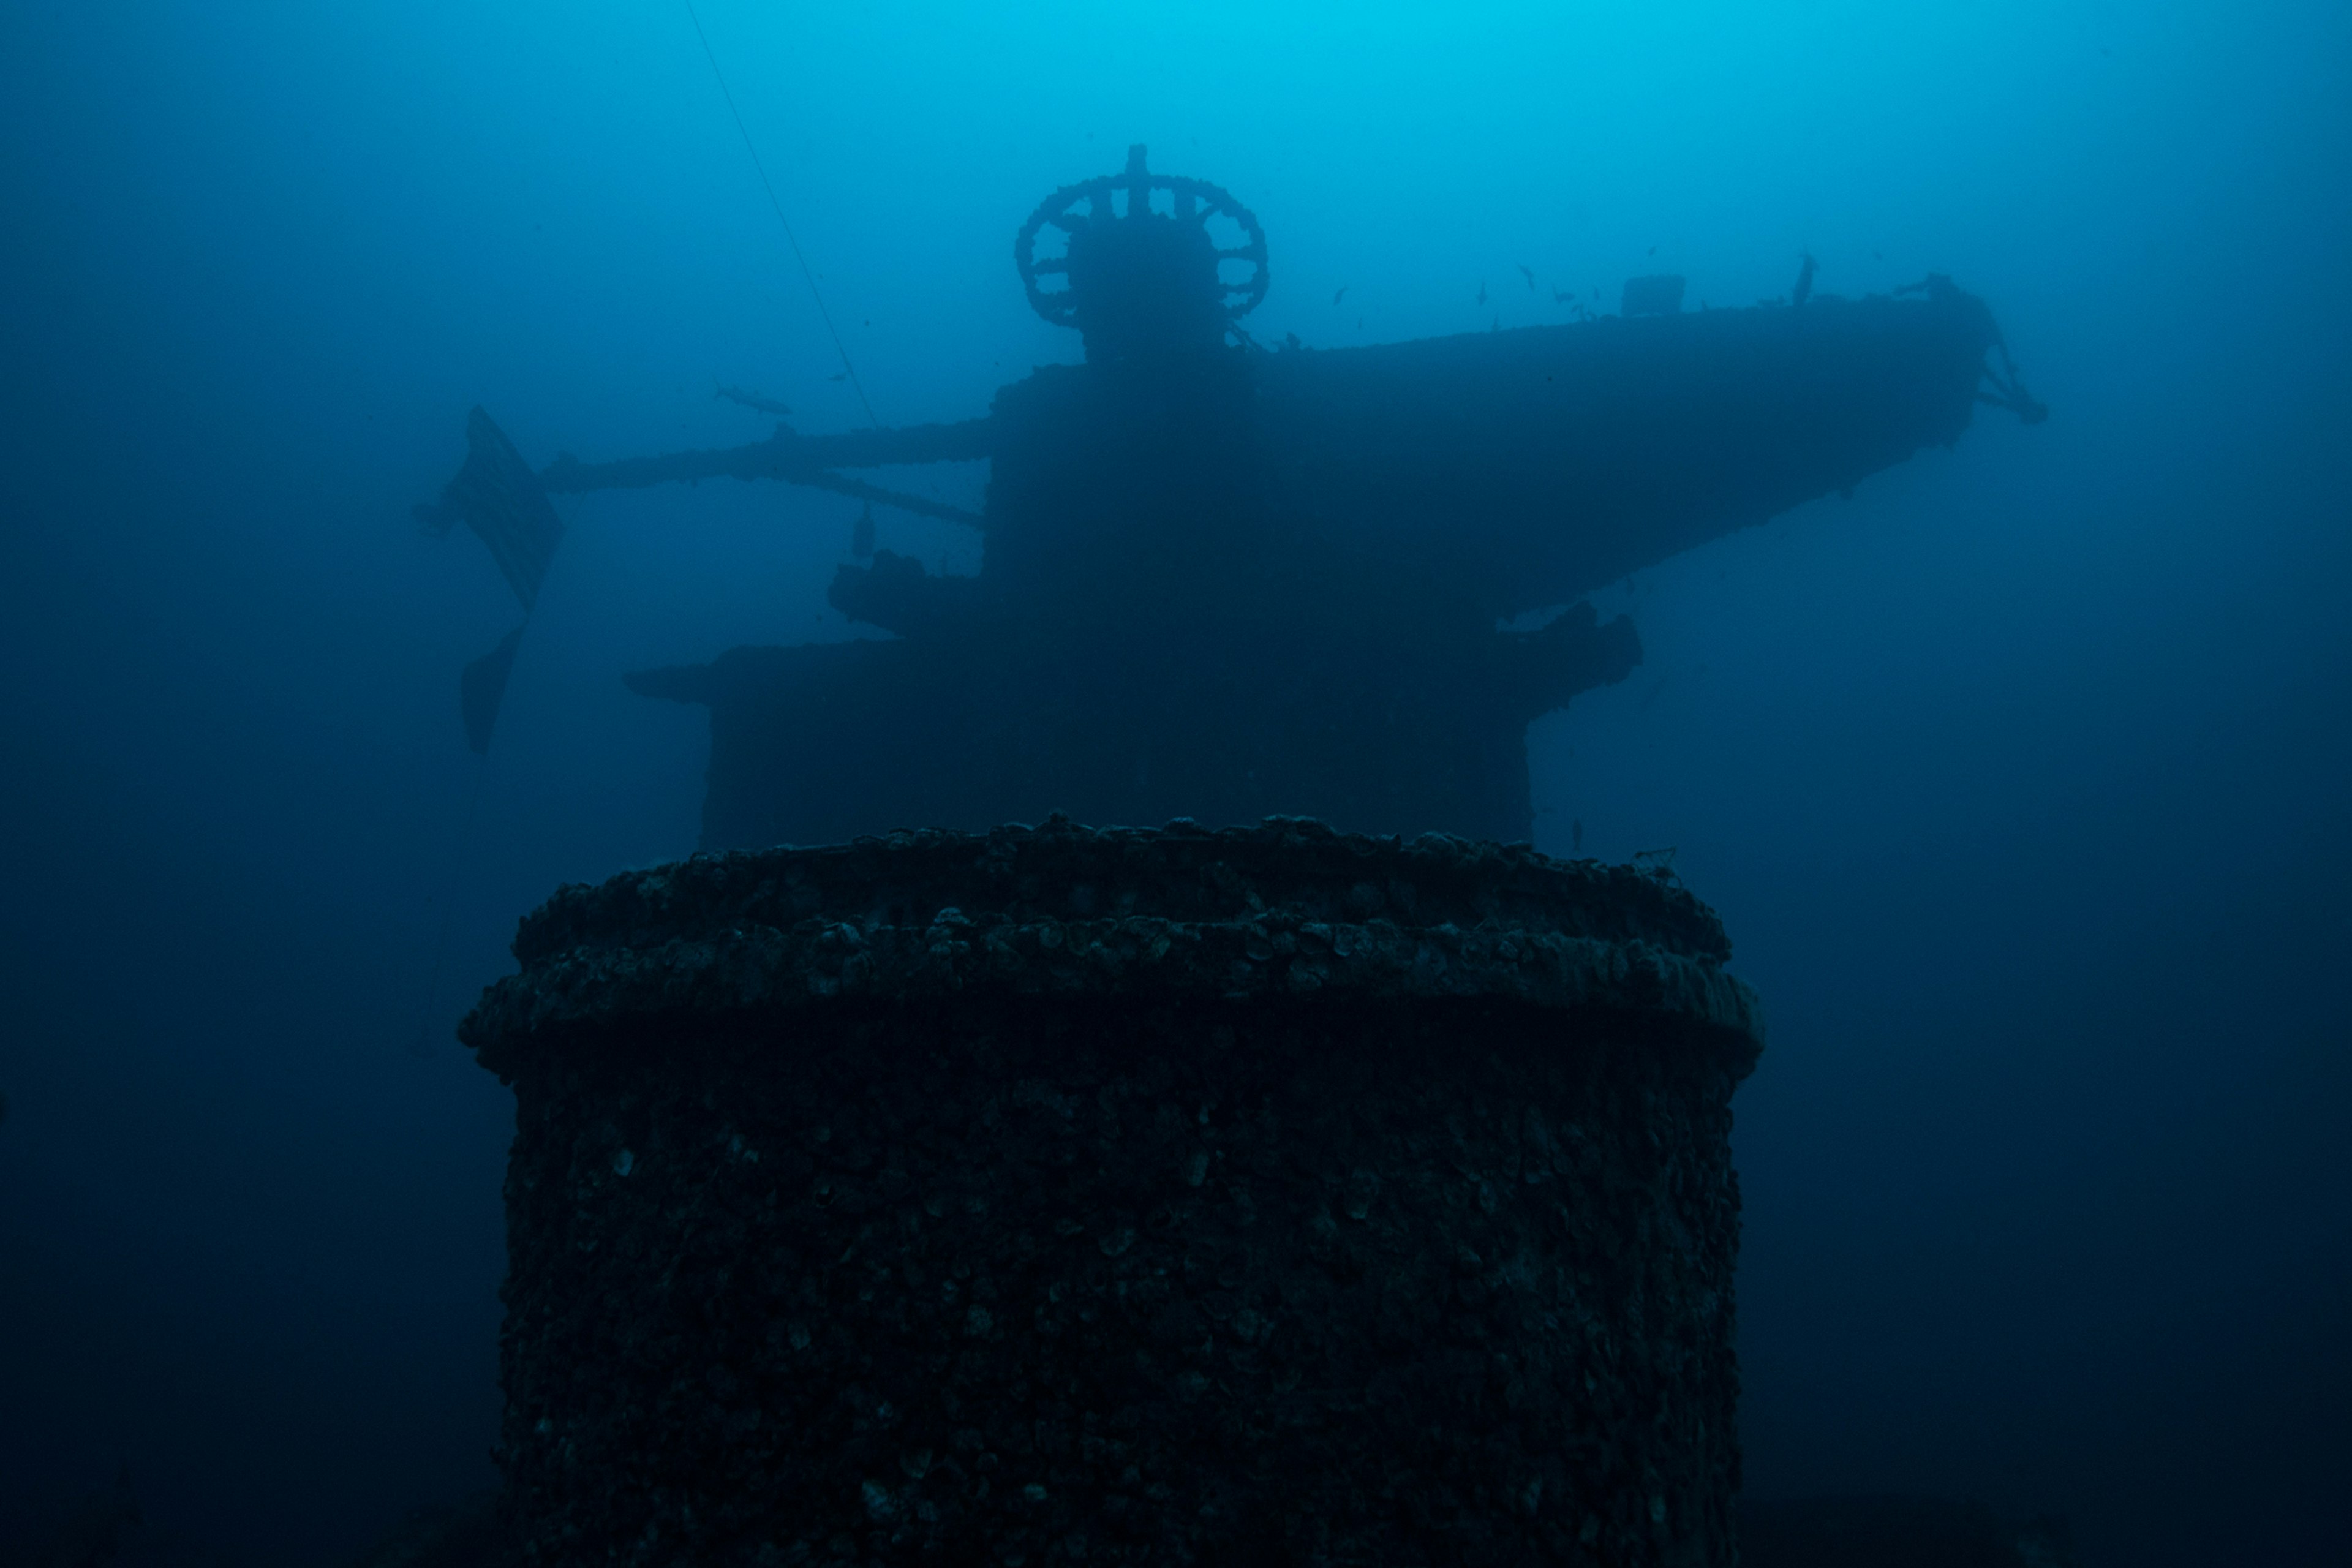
[(483, 686), (501, 500)]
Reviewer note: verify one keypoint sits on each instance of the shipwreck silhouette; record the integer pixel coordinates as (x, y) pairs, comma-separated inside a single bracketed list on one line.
[(1222, 582)]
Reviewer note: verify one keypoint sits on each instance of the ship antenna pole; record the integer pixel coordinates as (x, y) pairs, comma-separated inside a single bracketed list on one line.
[(790, 238)]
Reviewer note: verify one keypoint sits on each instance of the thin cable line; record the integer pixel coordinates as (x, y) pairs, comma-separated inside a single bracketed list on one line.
[(806, 273)]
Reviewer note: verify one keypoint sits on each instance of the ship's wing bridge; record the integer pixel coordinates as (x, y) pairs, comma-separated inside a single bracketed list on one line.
[(1527, 466)]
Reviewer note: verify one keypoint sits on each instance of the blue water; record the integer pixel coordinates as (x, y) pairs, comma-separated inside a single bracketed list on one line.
[(2020, 778)]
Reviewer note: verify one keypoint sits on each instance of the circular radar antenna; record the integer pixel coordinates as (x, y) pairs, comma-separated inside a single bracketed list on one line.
[(1141, 263)]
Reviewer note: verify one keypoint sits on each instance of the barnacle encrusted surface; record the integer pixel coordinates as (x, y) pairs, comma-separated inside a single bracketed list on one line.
[(1266, 1195)]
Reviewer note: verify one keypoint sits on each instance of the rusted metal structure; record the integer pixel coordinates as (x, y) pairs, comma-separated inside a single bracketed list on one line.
[(1184, 1195), (1258, 1195), (1223, 582)]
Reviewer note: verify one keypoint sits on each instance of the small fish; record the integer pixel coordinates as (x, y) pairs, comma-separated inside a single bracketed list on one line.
[(1528, 273), (1561, 297), (1481, 293), (1804, 288), (843, 376), (1653, 250), (758, 402), (1341, 295), (1874, 255)]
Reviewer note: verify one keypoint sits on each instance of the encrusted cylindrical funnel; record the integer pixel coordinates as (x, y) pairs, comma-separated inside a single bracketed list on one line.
[(1264, 1195)]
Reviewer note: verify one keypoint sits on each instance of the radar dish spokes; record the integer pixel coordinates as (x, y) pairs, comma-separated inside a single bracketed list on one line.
[(1129, 196)]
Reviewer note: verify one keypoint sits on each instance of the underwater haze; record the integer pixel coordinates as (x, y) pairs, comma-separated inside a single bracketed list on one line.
[(2022, 778)]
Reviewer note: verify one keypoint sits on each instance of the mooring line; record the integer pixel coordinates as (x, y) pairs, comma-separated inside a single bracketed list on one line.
[(807, 273)]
